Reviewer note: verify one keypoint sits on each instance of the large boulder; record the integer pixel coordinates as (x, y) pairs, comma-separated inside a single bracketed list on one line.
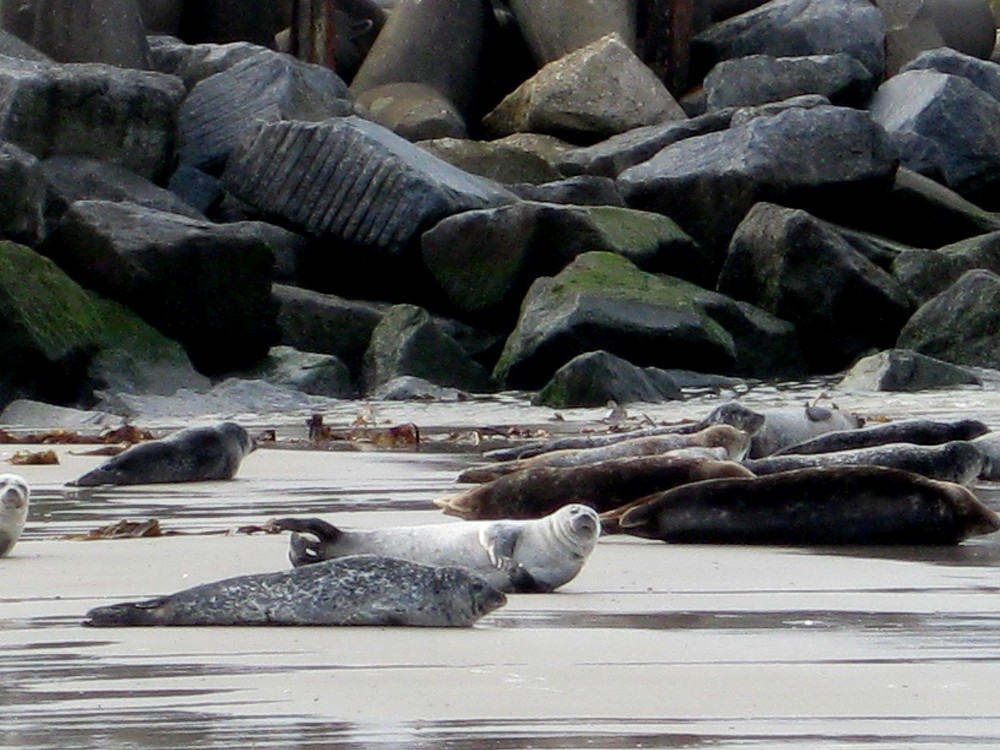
[(98, 31), (22, 196), (914, 26), (484, 261), (49, 328), (903, 370), (206, 285), (308, 372), (944, 125), (121, 116), (961, 325), (267, 86), (983, 74), (602, 301), (415, 111), (788, 263), (554, 28), (927, 273), (793, 28), (195, 62), (595, 378), (593, 93), (494, 160), (822, 158)]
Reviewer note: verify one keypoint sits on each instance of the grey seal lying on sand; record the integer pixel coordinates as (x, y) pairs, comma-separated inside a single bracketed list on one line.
[(14, 495), (522, 556), (359, 590)]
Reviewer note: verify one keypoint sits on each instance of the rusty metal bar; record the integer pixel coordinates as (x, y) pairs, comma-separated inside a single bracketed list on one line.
[(313, 37), (665, 34)]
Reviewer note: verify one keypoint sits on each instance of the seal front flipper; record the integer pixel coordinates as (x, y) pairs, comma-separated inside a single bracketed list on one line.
[(500, 542), (303, 550)]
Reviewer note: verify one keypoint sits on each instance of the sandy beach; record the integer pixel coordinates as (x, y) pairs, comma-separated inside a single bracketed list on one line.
[(652, 645)]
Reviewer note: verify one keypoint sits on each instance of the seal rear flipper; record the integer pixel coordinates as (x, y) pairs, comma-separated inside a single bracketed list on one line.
[(323, 531), (124, 615), (457, 505)]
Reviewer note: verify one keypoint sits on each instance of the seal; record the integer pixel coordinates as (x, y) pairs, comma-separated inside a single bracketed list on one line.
[(958, 461), (521, 556), (14, 496), (858, 505), (989, 444), (917, 431), (193, 454), (359, 590), (734, 441), (603, 486)]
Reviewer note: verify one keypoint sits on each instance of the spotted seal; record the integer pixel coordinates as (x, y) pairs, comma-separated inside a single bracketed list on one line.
[(14, 496), (358, 590), (603, 486), (734, 441), (522, 556), (855, 505), (193, 454), (780, 428), (917, 431), (958, 461)]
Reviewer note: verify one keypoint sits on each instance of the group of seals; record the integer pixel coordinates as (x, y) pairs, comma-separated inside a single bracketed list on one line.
[(516, 556), (14, 496), (194, 454), (358, 590)]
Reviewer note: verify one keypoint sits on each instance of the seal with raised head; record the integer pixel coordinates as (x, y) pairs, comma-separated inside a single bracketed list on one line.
[(194, 454), (734, 441), (603, 486), (958, 461), (916, 431), (857, 505), (359, 590), (14, 495), (521, 556)]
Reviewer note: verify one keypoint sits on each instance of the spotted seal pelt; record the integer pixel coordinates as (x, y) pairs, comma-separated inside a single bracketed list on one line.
[(522, 556), (603, 486), (193, 454), (958, 461), (917, 431), (734, 441), (358, 590), (852, 505), (14, 496)]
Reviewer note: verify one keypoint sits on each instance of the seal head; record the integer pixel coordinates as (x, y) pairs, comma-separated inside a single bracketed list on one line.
[(14, 495)]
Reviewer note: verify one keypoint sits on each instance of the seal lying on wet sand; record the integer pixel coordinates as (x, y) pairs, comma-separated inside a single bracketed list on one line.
[(603, 486), (359, 590), (522, 556), (917, 431), (194, 454), (13, 510), (824, 506), (782, 427)]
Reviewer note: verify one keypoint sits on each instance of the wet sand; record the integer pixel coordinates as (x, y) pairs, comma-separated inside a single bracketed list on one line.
[(652, 645)]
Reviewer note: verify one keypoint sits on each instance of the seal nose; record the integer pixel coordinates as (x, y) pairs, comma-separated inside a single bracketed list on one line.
[(12, 497)]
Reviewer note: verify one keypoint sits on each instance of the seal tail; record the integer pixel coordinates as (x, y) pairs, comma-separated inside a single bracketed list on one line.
[(124, 615), (457, 505)]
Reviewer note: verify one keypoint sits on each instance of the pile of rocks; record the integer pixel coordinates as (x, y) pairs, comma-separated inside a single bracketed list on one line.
[(490, 196)]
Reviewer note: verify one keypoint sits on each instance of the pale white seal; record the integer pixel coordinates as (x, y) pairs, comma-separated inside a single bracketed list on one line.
[(512, 555), (14, 495)]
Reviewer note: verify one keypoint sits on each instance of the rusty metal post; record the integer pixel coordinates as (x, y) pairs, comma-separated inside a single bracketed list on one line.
[(665, 31), (314, 32)]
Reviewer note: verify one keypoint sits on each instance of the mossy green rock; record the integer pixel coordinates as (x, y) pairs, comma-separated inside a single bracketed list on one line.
[(603, 301)]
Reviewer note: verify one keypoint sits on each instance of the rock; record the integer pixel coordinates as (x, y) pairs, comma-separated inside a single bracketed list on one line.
[(915, 26), (582, 190), (97, 31), (484, 261), (16, 46), (967, 26), (795, 28), (266, 87), (982, 74), (309, 372), (315, 322), (133, 357), (36, 415), (902, 370), (493, 160), (22, 196), (759, 79), (926, 273), (255, 21), (195, 62), (786, 262), (602, 301), (68, 179), (410, 388), (161, 16), (199, 190), (435, 42), (312, 176), (555, 28), (825, 157), (961, 325), (956, 116), (614, 155), (114, 115), (414, 111), (206, 285), (49, 332), (594, 378), (593, 93), (408, 342)]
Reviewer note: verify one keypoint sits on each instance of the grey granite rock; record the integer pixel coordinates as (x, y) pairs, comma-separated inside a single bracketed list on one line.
[(902, 370)]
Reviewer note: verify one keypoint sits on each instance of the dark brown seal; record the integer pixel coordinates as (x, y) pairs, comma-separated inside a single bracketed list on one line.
[(536, 492), (857, 505)]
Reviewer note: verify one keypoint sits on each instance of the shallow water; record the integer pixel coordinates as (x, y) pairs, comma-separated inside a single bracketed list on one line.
[(652, 646)]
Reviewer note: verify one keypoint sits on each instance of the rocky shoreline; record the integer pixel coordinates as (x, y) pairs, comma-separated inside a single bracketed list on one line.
[(487, 199)]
